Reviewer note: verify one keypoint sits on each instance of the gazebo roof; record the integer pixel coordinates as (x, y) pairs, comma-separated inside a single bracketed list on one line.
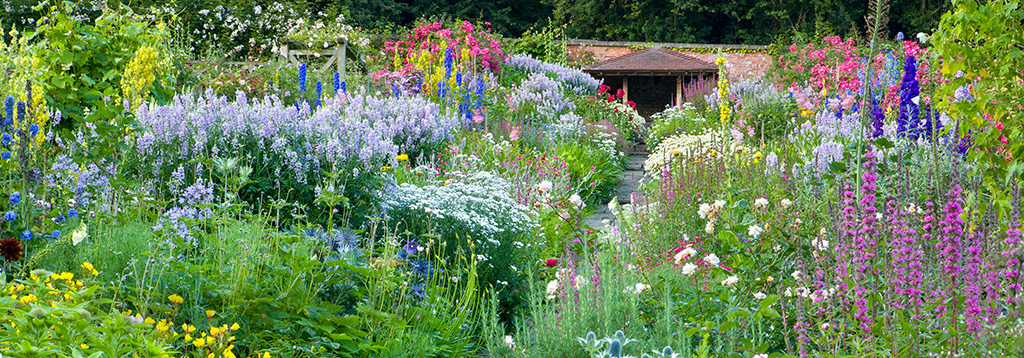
[(654, 61)]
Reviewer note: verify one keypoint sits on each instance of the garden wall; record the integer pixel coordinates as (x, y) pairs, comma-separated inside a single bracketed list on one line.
[(742, 61)]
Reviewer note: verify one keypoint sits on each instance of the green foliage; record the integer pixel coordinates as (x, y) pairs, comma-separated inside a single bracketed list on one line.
[(981, 48), (547, 44), (674, 120), (57, 316), (84, 62)]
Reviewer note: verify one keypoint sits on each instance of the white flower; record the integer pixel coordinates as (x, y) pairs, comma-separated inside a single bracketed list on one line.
[(762, 355), (718, 205), (786, 203), (761, 203), (576, 200), (796, 275), (637, 289), (732, 280), (760, 295), (825, 326), (921, 37), (685, 254), (710, 227), (509, 342), (878, 216), (712, 259), (820, 244), (754, 230), (703, 210), (689, 269), (552, 287), (81, 234), (545, 186)]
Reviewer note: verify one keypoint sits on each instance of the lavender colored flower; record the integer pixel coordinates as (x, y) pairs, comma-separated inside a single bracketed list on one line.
[(877, 120), (574, 80)]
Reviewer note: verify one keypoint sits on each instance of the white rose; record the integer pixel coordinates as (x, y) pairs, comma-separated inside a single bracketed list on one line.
[(712, 259), (689, 269)]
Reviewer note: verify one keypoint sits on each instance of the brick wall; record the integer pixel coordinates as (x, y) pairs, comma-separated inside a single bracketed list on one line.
[(754, 61)]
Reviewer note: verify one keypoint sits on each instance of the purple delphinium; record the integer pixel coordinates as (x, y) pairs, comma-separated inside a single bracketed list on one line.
[(877, 120)]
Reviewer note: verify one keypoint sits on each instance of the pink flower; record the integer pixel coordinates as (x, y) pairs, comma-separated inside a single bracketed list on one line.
[(513, 135)]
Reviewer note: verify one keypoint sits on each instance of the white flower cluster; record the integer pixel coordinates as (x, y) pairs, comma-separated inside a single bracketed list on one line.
[(479, 204), (670, 148), (711, 213), (671, 119)]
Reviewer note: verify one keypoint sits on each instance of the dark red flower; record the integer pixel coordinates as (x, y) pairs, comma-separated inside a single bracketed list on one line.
[(11, 249), (551, 262)]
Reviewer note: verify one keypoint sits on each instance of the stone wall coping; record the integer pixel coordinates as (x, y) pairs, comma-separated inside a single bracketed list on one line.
[(580, 42)]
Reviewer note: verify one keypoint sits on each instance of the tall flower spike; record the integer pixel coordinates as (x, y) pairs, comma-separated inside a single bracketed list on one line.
[(319, 93), (337, 83), (9, 110), (302, 77)]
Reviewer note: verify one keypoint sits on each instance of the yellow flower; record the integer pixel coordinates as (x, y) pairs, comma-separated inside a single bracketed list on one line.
[(235, 326), (89, 268), (266, 354), (675, 153), (402, 157), (757, 155), (29, 298), (188, 338), (199, 343), (210, 313), (84, 346), (175, 299), (150, 321), (720, 61), (188, 328)]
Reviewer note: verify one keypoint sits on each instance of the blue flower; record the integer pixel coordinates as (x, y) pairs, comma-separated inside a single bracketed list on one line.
[(7, 138), (302, 77), (319, 92), (899, 36), (5, 155), (418, 291), (34, 129), (26, 235), (21, 111), (15, 198), (422, 268), (10, 216), (337, 83), (55, 234), (9, 111), (72, 213)]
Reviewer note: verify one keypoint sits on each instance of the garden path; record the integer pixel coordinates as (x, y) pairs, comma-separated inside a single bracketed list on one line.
[(629, 181)]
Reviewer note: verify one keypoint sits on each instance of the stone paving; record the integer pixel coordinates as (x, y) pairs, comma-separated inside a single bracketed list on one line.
[(629, 182)]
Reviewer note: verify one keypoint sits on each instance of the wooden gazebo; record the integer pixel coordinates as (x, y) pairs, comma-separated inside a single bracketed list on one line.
[(653, 78)]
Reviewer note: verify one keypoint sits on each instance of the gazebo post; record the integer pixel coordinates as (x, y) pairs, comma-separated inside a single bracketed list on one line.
[(625, 88), (679, 91)]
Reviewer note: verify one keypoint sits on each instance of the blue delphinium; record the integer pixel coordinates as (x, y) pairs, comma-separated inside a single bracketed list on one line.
[(15, 198), (319, 93), (302, 77), (26, 235), (9, 111), (72, 213), (55, 234), (21, 111), (6, 155), (343, 87), (7, 138), (907, 123), (33, 129), (458, 79), (10, 216), (337, 83), (449, 59), (899, 36), (480, 91)]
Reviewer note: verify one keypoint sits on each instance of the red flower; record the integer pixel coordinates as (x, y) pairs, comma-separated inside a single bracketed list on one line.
[(11, 249), (551, 262), (620, 93)]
